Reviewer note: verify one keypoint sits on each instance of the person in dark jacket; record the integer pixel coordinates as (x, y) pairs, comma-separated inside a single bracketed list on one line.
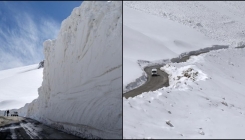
[(7, 112), (41, 64)]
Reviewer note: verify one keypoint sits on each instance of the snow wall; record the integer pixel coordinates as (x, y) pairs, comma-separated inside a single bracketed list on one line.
[(81, 92)]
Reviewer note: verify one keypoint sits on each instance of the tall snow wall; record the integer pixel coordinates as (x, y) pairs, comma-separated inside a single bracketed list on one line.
[(81, 92)]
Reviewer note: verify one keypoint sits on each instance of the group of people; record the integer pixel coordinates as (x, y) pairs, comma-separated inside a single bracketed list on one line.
[(6, 113)]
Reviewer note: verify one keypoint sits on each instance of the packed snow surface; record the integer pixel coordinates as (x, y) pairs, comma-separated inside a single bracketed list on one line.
[(205, 99), (155, 30), (18, 86), (82, 76)]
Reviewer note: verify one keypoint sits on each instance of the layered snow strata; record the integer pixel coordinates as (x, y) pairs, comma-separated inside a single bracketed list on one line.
[(81, 91)]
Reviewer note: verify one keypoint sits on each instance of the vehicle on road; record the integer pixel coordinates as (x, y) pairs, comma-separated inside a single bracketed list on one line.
[(154, 72), (14, 114)]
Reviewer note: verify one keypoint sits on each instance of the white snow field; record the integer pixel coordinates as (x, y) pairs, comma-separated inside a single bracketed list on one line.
[(205, 99), (81, 92), (18, 86), (164, 29), (206, 95)]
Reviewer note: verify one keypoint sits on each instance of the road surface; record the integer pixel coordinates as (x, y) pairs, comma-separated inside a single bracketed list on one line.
[(152, 83), (25, 128)]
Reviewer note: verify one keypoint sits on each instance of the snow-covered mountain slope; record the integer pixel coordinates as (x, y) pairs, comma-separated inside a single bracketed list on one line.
[(82, 78), (18, 86), (220, 20), (205, 99), (151, 37)]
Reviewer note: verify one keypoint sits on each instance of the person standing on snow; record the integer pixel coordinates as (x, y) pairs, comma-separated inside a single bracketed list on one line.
[(7, 112), (4, 113)]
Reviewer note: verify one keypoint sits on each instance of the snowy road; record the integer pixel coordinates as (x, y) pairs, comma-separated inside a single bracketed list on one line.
[(153, 82), (26, 128), (156, 82)]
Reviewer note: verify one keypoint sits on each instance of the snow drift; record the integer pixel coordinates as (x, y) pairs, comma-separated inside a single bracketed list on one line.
[(82, 76), (182, 77)]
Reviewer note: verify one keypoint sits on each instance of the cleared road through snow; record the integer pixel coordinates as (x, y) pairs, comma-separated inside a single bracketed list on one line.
[(152, 83), (155, 82), (26, 128)]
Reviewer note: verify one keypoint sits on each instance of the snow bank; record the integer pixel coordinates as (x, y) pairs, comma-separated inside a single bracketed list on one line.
[(82, 83), (211, 108), (181, 78), (173, 27)]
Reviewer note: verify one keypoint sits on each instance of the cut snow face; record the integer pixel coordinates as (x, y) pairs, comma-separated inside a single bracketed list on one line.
[(81, 92), (183, 77), (213, 107), (19, 86)]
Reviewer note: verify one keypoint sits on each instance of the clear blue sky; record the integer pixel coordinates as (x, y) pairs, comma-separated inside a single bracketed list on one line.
[(25, 25)]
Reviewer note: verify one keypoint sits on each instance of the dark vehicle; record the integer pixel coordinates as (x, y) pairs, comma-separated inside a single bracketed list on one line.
[(14, 114)]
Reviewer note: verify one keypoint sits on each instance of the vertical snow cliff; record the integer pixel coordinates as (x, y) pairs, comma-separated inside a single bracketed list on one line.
[(82, 77)]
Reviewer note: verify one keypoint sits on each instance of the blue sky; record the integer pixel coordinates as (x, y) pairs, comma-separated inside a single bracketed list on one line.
[(24, 26)]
